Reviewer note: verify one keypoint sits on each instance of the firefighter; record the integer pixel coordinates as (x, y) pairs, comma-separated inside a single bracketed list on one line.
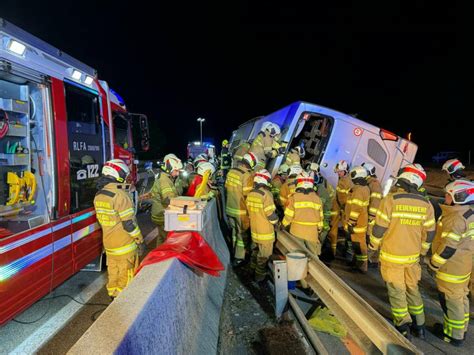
[(278, 181), (225, 159), (238, 185), (356, 216), (265, 145), (120, 231), (261, 210), (238, 154), (196, 186), (289, 186), (404, 227), (326, 193), (455, 169), (304, 213), (343, 188), (295, 155), (375, 197), (163, 191), (452, 259)]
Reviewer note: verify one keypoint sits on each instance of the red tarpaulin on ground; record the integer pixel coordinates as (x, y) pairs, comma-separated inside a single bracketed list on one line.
[(190, 248)]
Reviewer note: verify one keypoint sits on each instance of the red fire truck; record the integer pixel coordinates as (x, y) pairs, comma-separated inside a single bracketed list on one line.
[(58, 125)]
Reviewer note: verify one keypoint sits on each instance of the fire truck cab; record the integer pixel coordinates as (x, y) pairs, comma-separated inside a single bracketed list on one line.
[(58, 125)]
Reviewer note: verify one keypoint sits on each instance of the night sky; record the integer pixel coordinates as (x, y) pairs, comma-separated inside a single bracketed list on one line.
[(401, 67)]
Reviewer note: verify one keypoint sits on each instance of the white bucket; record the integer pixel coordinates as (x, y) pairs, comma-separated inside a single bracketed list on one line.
[(297, 264)]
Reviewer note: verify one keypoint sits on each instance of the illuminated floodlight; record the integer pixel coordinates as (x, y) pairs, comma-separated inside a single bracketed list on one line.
[(89, 80), (76, 74), (16, 47)]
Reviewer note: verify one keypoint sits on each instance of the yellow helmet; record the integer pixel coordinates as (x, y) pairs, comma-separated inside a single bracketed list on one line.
[(225, 142)]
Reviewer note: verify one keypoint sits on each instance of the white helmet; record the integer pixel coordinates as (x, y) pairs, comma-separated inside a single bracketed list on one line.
[(201, 158), (262, 177), (359, 172), (251, 159), (171, 163), (300, 150), (414, 174), (283, 169), (295, 170), (304, 181), (341, 166), (370, 168), (117, 169), (462, 191), (453, 165), (272, 128), (205, 166)]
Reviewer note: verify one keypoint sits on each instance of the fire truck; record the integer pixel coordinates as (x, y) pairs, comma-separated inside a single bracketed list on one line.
[(58, 125)]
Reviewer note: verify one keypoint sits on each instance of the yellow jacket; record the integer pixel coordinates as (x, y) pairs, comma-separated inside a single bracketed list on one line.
[(263, 147), (116, 215), (404, 221), (357, 205), (375, 196), (262, 214), (344, 185), (287, 189), (238, 185), (162, 192)]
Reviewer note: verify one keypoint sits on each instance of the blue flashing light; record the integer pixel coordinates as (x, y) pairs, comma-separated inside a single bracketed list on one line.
[(122, 102)]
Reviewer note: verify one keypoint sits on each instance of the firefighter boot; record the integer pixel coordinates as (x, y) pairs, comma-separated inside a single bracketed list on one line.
[(418, 331), (405, 330), (438, 330)]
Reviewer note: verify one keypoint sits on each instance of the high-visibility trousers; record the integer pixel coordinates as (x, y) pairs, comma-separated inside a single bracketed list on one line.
[(261, 252), (120, 271), (403, 293), (455, 304), (240, 237), (359, 245), (337, 215)]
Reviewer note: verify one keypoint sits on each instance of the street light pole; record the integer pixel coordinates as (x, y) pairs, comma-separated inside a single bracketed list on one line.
[(201, 120)]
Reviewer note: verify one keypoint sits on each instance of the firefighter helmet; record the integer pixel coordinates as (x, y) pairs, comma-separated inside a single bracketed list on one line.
[(251, 159), (270, 127), (262, 177), (171, 163), (295, 170), (117, 169), (453, 165), (283, 169), (414, 174), (313, 167), (300, 150), (461, 191), (304, 181), (205, 166), (225, 143), (341, 166), (359, 172), (370, 168)]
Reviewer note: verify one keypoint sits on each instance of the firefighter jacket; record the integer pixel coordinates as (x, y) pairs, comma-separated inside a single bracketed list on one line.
[(287, 189), (375, 196), (238, 185), (263, 147), (293, 158), (276, 184), (323, 189), (261, 210), (304, 215), (226, 159), (116, 215), (356, 210), (343, 188), (404, 227), (239, 153), (454, 244), (162, 192)]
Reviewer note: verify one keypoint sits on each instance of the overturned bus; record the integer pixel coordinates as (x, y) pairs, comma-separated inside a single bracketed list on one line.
[(329, 136)]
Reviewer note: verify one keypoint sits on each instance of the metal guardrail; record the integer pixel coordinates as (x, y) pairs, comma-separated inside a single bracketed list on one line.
[(367, 327)]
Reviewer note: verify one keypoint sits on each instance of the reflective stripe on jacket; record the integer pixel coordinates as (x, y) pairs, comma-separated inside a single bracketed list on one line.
[(356, 211), (261, 210), (162, 192), (375, 196), (238, 185)]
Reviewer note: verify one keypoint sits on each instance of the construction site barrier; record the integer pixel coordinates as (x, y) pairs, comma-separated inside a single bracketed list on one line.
[(167, 309)]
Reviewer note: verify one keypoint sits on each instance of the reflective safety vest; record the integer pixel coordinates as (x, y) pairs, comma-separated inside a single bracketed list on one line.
[(454, 244), (261, 210), (287, 189), (116, 216), (404, 227), (162, 192), (356, 211), (238, 185), (343, 188), (304, 215), (375, 196)]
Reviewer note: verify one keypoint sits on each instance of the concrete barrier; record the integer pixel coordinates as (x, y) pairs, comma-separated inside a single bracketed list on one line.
[(167, 309)]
